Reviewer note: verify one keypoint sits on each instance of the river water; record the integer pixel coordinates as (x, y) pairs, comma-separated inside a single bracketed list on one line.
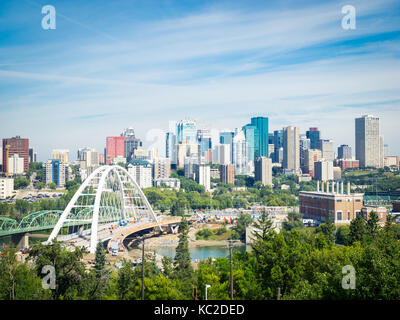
[(200, 253)]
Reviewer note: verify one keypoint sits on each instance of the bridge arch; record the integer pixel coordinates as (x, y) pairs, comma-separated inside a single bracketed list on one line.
[(109, 194)]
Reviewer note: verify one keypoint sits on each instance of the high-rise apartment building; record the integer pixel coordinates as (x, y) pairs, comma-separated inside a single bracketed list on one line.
[(250, 132), (314, 135), (240, 153), (278, 144), (115, 147), (15, 165), (344, 152), (261, 136), (161, 168), (171, 147), (141, 172), (263, 170), (131, 143), (310, 157), (326, 147), (55, 171), (323, 170), (227, 173), (304, 145), (291, 148), (202, 175), (19, 146), (224, 154), (368, 149)]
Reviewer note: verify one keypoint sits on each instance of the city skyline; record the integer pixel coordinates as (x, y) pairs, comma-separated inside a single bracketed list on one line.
[(144, 64)]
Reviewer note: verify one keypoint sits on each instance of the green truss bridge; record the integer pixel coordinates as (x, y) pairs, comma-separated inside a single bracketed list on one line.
[(47, 219)]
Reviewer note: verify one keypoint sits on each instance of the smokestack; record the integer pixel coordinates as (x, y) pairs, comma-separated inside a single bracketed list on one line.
[(348, 187), (341, 188), (318, 186)]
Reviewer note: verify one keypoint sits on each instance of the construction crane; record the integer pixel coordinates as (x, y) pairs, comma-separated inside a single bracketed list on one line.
[(7, 151)]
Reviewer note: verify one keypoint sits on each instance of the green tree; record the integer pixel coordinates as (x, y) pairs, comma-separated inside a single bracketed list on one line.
[(328, 229), (182, 262), (372, 224), (358, 229), (242, 222), (70, 270)]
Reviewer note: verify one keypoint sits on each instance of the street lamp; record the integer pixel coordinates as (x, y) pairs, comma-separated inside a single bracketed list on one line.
[(207, 286)]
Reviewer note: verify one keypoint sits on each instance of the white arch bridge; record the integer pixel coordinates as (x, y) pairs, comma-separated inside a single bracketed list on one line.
[(108, 196)]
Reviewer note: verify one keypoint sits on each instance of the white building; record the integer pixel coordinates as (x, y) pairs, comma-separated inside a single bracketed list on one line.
[(202, 174), (368, 141), (15, 165), (240, 153), (141, 171), (224, 154), (323, 170), (6, 187), (55, 171), (263, 171)]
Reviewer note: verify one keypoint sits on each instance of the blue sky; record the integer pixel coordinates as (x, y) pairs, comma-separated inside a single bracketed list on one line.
[(115, 64)]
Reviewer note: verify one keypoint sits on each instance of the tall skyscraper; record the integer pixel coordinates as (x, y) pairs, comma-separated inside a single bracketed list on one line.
[(227, 138), (240, 152), (249, 132), (278, 143), (323, 170), (204, 140), (368, 141), (186, 130), (310, 157), (19, 146), (202, 175), (227, 173), (326, 147), (32, 155), (263, 170), (171, 147), (314, 135), (344, 152), (291, 148), (114, 147), (224, 154), (261, 136), (304, 145), (131, 143)]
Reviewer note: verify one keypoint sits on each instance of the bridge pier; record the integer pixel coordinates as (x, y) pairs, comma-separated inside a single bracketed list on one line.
[(20, 240)]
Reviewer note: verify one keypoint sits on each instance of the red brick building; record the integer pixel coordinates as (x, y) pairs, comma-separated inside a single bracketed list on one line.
[(320, 205), (18, 146), (347, 163), (380, 211)]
